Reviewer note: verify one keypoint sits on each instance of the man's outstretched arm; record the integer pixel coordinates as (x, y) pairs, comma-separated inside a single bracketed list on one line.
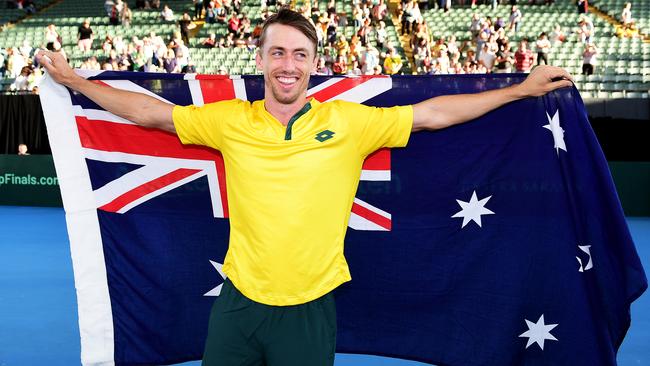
[(448, 110), (136, 107)]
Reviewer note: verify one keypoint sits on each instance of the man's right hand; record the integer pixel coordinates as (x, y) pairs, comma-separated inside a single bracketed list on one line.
[(139, 108), (57, 67)]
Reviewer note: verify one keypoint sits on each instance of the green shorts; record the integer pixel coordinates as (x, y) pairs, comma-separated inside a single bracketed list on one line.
[(243, 332)]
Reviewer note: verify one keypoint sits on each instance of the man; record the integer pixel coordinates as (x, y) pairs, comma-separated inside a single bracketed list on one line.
[(523, 58), (589, 57), (392, 62), (293, 169), (22, 150)]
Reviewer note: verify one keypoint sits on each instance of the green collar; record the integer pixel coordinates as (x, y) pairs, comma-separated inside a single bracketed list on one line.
[(303, 110)]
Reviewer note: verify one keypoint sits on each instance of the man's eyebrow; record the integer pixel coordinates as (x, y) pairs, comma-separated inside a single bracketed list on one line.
[(299, 49)]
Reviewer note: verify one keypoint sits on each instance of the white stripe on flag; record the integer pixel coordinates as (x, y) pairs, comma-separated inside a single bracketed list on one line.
[(93, 299), (365, 91), (98, 114), (375, 175)]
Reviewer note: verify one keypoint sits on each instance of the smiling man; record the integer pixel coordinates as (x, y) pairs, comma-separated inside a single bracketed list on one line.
[(293, 169)]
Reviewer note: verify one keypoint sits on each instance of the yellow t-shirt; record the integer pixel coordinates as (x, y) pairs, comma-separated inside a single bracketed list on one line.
[(290, 189)]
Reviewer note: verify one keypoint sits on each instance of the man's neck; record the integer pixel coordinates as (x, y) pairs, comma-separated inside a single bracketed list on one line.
[(283, 112)]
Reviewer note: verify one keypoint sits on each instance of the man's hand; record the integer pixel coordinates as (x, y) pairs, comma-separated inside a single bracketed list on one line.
[(544, 79), (57, 67), (136, 107)]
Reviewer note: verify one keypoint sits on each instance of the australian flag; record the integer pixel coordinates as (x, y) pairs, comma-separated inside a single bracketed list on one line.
[(496, 242)]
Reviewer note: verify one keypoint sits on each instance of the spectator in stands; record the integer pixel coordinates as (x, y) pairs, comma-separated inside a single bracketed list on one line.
[(342, 45), (542, 47), (114, 16), (557, 36), (186, 24), (523, 57), (585, 29), (589, 59), (85, 36), (155, 4), (107, 45), (407, 17), (357, 16), (190, 68), (126, 16), (392, 62), (169, 62), (420, 53), (514, 20), (364, 31), (167, 14), (108, 6), (470, 57), (379, 11), (211, 41), (198, 9), (220, 14), (51, 35), (626, 17), (442, 61), (340, 66), (233, 23), (369, 60), (505, 59), (15, 62), (583, 6), (22, 150), (487, 58), (355, 46), (475, 26), (21, 83), (381, 35), (354, 68), (229, 41), (322, 68), (26, 49)]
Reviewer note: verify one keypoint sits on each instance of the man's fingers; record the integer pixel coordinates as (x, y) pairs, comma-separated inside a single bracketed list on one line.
[(558, 72), (560, 84)]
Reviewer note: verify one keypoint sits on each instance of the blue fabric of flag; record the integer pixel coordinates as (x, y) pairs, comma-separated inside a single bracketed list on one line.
[(430, 289)]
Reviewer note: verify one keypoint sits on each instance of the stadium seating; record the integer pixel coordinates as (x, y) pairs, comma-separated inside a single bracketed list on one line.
[(640, 11), (12, 15), (622, 71), (623, 62)]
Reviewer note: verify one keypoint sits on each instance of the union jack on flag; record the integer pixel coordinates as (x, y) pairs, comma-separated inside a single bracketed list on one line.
[(496, 242)]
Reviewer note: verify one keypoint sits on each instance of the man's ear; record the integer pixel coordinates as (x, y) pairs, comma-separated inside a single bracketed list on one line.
[(258, 60), (314, 64)]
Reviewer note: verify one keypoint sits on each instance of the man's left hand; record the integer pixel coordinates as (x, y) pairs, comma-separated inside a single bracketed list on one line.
[(544, 79)]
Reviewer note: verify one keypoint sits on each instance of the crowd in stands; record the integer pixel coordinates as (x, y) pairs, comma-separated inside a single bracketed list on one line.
[(490, 49), (367, 51)]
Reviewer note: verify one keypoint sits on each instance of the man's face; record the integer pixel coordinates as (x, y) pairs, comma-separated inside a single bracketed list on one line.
[(286, 59)]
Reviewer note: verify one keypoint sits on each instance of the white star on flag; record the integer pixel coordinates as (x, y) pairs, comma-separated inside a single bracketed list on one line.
[(590, 262), (538, 332), (217, 290), (472, 210), (557, 131)]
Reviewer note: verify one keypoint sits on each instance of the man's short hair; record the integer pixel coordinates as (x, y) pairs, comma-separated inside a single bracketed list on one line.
[(293, 19)]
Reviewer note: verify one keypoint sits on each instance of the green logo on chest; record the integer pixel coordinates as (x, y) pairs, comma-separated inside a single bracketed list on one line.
[(324, 135)]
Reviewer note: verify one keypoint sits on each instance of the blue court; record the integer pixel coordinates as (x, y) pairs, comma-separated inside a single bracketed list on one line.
[(38, 311)]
